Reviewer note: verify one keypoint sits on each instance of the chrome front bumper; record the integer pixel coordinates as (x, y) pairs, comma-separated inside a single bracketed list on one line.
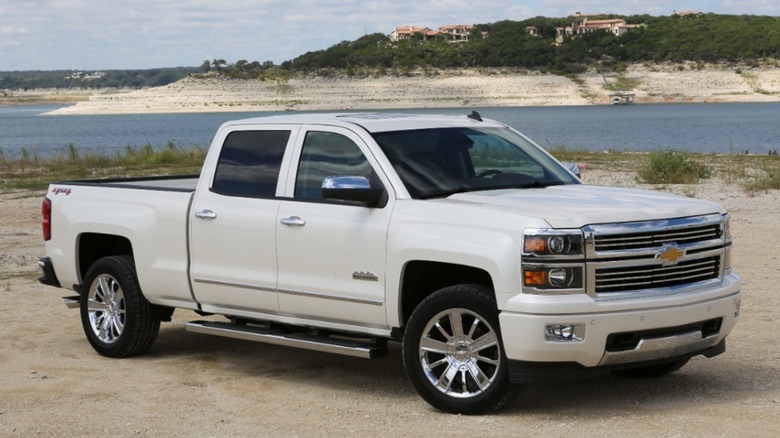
[(620, 337)]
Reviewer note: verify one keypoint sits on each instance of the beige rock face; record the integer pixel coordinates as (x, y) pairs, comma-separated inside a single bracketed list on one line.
[(453, 89)]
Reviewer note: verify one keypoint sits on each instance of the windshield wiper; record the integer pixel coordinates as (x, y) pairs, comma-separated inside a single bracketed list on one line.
[(445, 193), (535, 184), (528, 185)]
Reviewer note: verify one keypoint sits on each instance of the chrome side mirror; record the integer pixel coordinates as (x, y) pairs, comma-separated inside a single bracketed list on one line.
[(353, 189)]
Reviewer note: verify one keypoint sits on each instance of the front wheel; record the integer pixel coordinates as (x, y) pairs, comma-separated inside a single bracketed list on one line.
[(117, 319), (453, 353)]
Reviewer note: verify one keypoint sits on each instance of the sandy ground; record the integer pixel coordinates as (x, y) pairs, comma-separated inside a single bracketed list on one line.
[(53, 384), (442, 89)]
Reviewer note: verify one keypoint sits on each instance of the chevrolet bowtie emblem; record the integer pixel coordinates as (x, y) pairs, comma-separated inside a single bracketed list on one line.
[(670, 255)]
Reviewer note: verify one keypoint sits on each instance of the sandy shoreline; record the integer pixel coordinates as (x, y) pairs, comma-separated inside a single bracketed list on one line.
[(461, 88)]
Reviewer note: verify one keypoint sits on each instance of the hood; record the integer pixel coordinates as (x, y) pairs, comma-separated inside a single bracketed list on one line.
[(574, 206)]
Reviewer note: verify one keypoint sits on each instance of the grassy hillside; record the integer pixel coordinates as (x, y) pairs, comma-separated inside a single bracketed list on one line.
[(705, 38)]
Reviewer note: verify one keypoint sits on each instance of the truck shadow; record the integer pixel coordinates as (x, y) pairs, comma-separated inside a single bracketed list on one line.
[(719, 380), (385, 375)]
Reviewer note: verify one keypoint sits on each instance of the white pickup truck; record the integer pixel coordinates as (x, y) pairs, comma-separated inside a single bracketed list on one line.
[(457, 236)]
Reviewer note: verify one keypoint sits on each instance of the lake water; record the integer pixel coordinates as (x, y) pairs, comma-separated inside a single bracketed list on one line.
[(710, 128)]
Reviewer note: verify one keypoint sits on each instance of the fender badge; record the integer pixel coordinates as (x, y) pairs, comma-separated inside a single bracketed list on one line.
[(364, 275), (670, 255)]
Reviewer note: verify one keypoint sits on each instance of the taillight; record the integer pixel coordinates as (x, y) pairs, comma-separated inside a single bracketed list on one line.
[(46, 222)]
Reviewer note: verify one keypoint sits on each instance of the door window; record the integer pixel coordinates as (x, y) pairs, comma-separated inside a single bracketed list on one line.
[(329, 154), (249, 163)]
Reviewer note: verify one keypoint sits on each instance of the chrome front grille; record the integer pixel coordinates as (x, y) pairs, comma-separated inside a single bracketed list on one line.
[(663, 256), (651, 239), (625, 279)]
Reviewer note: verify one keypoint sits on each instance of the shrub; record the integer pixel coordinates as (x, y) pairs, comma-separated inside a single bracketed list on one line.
[(673, 167)]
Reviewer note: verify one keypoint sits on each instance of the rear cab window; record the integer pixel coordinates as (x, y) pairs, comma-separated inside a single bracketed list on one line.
[(249, 163)]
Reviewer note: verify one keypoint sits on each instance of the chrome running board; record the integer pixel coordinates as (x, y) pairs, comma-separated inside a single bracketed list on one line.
[(71, 302), (307, 340)]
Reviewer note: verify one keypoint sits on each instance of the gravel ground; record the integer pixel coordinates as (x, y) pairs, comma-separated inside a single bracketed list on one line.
[(53, 384)]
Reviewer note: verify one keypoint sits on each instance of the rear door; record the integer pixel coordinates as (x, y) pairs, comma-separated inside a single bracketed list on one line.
[(233, 223)]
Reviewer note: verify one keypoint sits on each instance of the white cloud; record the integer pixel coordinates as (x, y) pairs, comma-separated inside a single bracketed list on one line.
[(755, 7)]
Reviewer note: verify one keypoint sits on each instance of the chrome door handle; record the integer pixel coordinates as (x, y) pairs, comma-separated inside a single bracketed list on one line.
[(293, 221), (205, 214)]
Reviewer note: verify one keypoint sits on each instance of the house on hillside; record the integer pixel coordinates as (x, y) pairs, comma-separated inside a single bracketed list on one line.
[(617, 26), (563, 32), (408, 32), (456, 32), (533, 31)]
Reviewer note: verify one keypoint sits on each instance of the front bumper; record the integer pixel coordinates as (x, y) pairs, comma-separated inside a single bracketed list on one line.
[(536, 372), (619, 338)]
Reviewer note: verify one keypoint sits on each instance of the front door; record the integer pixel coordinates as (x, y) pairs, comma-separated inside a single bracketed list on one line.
[(332, 255)]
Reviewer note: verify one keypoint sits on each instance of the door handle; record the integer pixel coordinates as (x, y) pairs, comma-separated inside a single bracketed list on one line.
[(205, 214), (293, 221)]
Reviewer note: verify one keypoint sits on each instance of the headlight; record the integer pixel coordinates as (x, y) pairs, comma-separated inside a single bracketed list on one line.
[(552, 277), (552, 243), (553, 261)]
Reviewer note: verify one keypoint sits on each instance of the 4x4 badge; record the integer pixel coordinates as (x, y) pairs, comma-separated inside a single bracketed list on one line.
[(670, 255), (364, 275)]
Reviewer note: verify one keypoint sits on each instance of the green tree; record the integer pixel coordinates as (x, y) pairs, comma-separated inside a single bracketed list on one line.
[(218, 63)]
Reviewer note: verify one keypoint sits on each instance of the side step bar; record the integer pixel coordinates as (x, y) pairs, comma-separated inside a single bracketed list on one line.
[(71, 302), (307, 340)]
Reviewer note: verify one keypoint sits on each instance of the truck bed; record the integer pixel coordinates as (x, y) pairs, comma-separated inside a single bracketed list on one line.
[(176, 183), (149, 213)]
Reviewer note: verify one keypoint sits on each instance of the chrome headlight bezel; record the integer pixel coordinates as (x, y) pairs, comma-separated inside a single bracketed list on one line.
[(539, 242), (553, 261), (727, 243)]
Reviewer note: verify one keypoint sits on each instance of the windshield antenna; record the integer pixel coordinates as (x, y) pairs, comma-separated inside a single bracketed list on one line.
[(475, 115)]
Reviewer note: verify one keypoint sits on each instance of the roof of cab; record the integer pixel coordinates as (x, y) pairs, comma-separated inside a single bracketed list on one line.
[(372, 122)]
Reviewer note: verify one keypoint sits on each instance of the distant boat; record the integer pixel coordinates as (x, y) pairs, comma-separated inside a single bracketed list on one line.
[(622, 97)]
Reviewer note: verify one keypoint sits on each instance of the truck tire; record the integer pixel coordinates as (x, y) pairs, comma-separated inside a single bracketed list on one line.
[(116, 317), (453, 353), (652, 371)]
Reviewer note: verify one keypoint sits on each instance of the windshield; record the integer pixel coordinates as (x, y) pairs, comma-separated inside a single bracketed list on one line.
[(443, 161)]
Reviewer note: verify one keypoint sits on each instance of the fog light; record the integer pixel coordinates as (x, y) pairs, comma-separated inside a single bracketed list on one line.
[(565, 333)]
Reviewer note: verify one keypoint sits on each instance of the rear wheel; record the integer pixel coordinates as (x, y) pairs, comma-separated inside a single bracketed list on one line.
[(116, 317), (652, 371), (453, 352)]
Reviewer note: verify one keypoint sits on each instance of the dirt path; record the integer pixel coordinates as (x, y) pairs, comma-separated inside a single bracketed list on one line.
[(53, 384)]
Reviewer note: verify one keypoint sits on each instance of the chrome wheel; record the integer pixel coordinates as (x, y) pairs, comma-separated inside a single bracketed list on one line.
[(117, 319), (453, 353), (460, 353), (106, 307)]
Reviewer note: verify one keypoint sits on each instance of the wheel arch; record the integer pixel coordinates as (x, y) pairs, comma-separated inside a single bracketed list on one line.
[(91, 247), (421, 278)]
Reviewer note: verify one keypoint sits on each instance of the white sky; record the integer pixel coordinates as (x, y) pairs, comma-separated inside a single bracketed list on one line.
[(128, 34)]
